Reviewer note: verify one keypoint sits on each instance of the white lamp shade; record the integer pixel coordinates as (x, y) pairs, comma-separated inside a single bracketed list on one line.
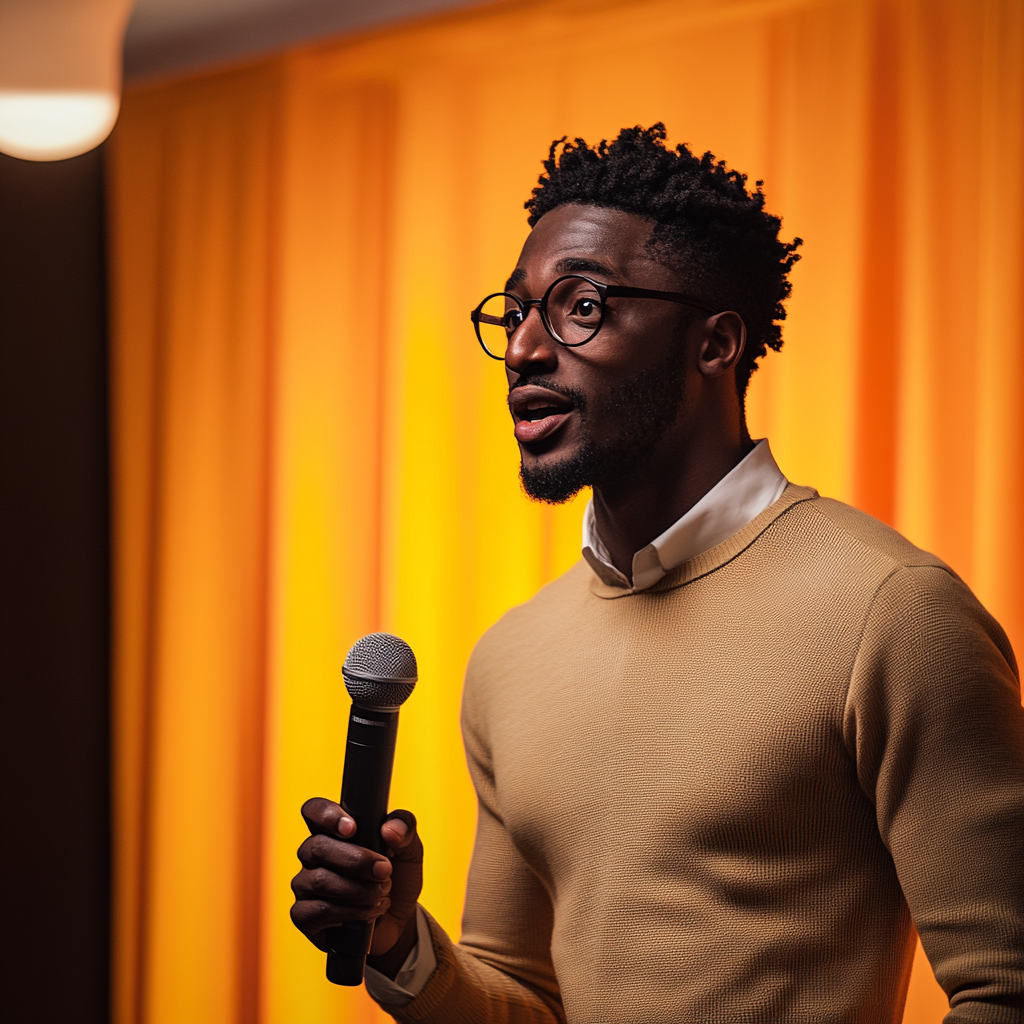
[(60, 75)]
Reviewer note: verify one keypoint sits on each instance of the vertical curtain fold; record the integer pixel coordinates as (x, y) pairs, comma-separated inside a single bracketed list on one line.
[(329, 507), (194, 293), (308, 447)]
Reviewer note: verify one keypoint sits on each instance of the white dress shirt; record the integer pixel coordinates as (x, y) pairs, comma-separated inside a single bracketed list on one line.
[(739, 497)]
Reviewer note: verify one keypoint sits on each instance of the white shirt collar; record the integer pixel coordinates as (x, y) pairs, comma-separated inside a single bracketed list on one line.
[(741, 495)]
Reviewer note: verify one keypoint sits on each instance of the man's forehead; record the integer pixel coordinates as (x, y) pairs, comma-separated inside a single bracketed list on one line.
[(584, 239)]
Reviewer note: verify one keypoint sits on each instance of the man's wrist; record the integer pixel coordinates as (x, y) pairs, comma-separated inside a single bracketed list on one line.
[(390, 963)]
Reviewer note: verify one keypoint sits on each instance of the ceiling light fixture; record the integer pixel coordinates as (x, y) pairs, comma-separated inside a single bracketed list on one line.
[(60, 75)]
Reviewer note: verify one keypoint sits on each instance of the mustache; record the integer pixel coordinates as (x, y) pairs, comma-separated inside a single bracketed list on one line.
[(577, 397)]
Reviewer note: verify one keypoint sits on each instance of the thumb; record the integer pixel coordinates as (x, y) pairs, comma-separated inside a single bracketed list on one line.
[(405, 851)]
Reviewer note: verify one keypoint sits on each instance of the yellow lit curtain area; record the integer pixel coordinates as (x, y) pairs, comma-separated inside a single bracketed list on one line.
[(309, 445)]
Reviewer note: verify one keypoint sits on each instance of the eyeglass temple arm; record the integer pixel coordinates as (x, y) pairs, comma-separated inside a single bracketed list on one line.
[(624, 292)]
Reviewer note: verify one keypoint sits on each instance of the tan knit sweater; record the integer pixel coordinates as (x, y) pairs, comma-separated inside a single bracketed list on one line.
[(715, 800)]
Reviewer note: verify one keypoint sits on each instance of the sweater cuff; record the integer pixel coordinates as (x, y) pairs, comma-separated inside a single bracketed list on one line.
[(414, 974), (438, 986)]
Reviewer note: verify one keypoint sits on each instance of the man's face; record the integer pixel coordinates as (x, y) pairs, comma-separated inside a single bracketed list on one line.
[(594, 415)]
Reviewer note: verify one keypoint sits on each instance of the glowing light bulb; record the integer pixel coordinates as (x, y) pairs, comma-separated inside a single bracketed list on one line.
[(60, 75), (55, 124)]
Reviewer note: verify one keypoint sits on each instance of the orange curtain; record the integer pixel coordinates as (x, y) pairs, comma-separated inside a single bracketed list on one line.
[(308, 446)]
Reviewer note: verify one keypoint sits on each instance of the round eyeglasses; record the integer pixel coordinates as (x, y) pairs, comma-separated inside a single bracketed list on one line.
[(572, 311)]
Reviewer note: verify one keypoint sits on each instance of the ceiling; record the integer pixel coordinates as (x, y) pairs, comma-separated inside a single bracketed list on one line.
[(175, 36)]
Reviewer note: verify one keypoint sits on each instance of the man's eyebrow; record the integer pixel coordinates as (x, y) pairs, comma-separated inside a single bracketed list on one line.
[(566, 265), (582, 265), (517, 275)]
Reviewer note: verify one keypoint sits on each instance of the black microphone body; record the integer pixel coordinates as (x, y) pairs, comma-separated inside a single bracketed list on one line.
[(379, 675), (369, 759)]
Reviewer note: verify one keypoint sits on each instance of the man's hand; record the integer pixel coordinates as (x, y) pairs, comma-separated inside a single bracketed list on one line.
[(340, 882)]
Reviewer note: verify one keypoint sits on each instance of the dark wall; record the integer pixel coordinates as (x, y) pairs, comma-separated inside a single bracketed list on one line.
[(54, 631)]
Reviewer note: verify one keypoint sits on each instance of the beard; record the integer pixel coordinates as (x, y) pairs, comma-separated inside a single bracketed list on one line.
[(645, 405)]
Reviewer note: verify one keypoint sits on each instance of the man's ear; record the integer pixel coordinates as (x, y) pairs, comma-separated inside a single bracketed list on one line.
[(725, 336)]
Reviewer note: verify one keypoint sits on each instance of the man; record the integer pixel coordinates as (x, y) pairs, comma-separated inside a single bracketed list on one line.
[(731, 758)]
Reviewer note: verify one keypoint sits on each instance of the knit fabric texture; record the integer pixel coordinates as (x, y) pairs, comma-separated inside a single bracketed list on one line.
[(730, 797)]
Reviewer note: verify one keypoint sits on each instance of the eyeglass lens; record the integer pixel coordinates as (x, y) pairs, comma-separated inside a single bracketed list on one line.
[(573, 313)]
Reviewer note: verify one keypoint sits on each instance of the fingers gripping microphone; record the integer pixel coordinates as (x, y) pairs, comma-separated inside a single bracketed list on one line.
[(380, 673)]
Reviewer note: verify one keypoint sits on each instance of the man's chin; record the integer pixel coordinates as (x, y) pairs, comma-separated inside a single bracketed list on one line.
[(556, 480)]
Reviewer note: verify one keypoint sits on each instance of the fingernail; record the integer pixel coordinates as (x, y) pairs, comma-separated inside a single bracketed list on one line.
[(346, 826), (382, 869), (399, 826)]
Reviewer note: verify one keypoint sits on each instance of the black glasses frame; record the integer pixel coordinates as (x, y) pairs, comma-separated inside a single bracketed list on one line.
[(605, 291)]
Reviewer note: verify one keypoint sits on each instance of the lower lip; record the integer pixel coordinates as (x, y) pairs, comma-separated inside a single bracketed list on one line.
[(537, 430)]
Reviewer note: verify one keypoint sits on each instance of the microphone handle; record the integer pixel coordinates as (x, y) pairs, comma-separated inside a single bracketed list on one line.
[(366, 783)]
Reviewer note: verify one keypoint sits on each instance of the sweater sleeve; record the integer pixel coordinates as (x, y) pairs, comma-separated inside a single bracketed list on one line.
[(934, 719), (501, 971)]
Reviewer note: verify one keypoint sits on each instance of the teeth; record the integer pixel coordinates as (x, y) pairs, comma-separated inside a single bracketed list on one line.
[(538, 409), (539, 413)]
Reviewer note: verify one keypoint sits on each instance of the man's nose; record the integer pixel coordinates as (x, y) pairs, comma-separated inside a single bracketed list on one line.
[(531, 349)]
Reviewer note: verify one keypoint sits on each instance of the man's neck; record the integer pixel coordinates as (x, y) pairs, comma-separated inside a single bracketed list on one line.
[(632, 511)]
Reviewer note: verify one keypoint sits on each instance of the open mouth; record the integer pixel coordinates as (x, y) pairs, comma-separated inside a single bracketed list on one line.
[(538, 412)]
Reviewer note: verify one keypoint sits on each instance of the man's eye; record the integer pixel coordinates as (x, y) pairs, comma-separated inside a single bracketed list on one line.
[(585, 308), (513, 318)]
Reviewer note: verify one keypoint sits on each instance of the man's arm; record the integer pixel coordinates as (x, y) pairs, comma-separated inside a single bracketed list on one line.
[(935, 722), (500, 972)]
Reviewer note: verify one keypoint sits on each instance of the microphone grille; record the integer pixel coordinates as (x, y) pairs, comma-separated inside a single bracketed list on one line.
[(380, 671)]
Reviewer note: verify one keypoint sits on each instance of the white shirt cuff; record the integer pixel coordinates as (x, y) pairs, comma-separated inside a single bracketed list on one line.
[(415, 973)]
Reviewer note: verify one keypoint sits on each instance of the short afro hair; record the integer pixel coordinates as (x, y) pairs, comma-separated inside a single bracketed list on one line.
[(707, 226)]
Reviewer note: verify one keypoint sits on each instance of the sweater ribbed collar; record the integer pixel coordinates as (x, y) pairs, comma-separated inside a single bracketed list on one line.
[(714, 558)]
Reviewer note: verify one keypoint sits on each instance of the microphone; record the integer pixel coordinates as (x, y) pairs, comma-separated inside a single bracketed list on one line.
[(380, 673)]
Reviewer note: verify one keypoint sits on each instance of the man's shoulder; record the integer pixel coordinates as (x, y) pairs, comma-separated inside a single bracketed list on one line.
[(553, 610), (819, 557), (887, 578), (832, 524), (556, 598)]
